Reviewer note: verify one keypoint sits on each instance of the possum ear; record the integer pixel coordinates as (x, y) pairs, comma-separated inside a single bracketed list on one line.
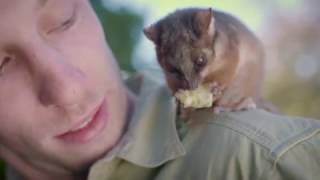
[(152, 33), (204, 22)]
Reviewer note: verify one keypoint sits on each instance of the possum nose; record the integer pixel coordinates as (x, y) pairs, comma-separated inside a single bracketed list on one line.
[(193, 84), (190, 83)]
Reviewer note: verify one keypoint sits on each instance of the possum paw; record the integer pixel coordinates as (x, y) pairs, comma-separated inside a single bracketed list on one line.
[(216, 89)]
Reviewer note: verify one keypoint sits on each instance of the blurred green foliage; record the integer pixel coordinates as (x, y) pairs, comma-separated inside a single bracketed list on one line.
[(294, 41), (292, 92), (122, 29)]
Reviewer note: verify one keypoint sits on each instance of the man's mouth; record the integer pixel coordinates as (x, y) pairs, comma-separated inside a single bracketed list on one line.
[(83, 125), (89, 128)]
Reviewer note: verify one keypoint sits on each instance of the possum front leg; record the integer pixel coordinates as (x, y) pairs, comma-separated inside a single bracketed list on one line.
[(244, 90), (231, 99)]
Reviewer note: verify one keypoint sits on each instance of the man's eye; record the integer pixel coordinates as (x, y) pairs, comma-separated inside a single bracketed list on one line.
[(4, 62), (65, 25)]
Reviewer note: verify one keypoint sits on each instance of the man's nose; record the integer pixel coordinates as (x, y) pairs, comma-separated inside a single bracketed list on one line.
[(58, 81), (62, 85)]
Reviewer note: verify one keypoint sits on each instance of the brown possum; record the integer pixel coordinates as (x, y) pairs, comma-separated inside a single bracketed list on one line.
[(196, 46)]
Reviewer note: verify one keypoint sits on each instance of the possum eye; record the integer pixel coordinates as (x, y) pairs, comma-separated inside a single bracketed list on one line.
[(200, 63)]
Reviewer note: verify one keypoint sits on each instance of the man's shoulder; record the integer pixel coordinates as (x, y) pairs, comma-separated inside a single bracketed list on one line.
[(273, 132), (242, 141)]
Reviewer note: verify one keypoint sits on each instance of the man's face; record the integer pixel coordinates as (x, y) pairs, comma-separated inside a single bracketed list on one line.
[(61, 98)]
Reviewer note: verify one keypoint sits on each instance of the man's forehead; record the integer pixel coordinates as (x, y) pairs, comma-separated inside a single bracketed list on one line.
[(12, 4), (42, 3), (26, 12)]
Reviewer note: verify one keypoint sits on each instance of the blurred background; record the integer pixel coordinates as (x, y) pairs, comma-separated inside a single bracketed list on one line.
[(289, 29)]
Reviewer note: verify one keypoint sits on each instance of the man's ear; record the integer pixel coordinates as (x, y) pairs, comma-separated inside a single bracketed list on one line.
[(152, 33), (204, 22)]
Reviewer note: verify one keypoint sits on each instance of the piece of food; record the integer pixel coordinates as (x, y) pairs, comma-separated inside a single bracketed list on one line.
[(200, 97)]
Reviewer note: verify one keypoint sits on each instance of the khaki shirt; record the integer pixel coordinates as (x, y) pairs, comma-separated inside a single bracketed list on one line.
[(253, 145)]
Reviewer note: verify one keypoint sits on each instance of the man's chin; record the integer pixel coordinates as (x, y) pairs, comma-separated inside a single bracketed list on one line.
[(82, 158)]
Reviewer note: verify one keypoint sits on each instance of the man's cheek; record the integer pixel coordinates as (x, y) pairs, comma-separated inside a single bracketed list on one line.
[(9, 126), (17, 126), (12, 135)]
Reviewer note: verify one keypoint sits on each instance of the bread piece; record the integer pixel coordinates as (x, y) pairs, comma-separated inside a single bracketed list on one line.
[(200, 97)]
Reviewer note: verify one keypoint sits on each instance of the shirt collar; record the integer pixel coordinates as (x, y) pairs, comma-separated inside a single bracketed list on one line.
[(152, 138)]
